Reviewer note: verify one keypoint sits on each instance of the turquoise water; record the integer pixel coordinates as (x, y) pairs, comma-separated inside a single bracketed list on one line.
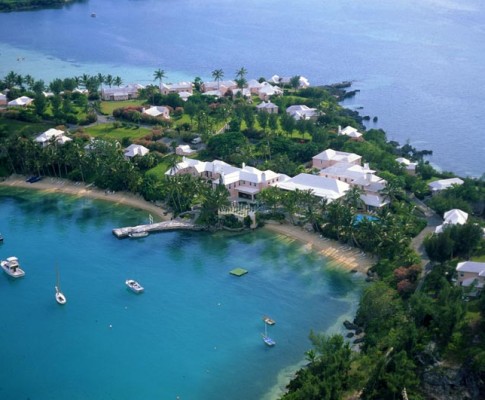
[(418, 64), (194, 333)]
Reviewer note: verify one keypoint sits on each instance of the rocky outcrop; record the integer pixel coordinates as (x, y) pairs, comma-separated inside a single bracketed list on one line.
[(452, 383)]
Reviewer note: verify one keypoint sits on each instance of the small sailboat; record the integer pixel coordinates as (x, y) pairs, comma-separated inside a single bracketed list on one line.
[(60, 298), (266, 339), (268, 320)]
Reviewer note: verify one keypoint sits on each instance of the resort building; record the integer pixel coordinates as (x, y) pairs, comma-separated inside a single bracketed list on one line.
[(221, 86), (157, 111), (350, 132), (184, 95), (167, 88), (135, 150), (267, 106), (302, 82), (22, 101), (302, 112), (452, 217), (127, 92), (244, 92), (331, 157), (408, 165), (267, 90), (443, 184), (184, 150), (243, 183), (328, 188), (254, 86), (3, 99), (471, 273), (52, 136)]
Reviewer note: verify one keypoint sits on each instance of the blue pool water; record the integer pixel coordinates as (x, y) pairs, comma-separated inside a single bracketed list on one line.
[(359, 217), (195, 332)]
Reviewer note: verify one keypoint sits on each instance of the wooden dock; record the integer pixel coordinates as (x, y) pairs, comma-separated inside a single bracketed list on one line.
[(157, 227)]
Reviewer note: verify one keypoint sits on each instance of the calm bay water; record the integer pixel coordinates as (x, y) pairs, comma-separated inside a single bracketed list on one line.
[(419, 64), (194, 333)]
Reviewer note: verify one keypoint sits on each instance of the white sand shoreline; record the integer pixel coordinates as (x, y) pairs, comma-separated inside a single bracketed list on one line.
[(347, 258)]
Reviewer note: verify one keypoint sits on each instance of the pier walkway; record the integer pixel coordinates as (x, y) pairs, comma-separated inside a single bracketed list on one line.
[(157, 227)]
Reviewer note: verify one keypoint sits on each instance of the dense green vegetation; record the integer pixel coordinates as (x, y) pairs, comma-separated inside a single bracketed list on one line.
[(18, 5), (410, 322)]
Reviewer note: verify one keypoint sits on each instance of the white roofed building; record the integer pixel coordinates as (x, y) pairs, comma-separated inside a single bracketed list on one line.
[(157, 111), (184, 150), (268, 107), (328, 188), (242, 183), (350, 132), (46, 138), (267, 90), (3, 99), (443, 184), (285, 80), (452, 217), (135, 150), (221, 86), (254, 86), (167, 88), (127, 92), (471, 273), (302, 112), (330, 157), (22, 101), (409, 165)]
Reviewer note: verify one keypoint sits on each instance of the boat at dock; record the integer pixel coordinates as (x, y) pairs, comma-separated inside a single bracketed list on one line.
[(11, 267), (134, 286), (136, 235), (268, 320)]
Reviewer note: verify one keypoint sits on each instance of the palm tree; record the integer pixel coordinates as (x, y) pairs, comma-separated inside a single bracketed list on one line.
[(353, 198), (160, 75), (108, 79), (241, 77), (218, 74), (117, 81)]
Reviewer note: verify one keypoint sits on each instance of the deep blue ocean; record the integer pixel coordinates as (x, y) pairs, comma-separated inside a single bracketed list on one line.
[(196, 331), (418, 63)]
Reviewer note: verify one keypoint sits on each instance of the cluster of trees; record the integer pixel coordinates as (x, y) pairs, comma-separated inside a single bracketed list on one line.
[(16, 5)]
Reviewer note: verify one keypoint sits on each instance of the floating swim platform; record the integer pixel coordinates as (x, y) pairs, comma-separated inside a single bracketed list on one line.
[(238, 271)]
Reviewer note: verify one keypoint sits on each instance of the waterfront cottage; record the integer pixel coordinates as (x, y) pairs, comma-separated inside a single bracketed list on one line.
[(176, 88), (408, 165), (350, 132), (243, 183), (443, 184), (52, 135), (302, 112), (221, 86), (135, 150)]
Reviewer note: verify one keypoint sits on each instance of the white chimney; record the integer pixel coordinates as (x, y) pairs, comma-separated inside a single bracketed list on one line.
[(339, 130), (243, 165)]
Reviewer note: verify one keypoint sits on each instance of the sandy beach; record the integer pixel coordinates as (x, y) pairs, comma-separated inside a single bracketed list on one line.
[(348, 258), (345, 257), (56, 185)]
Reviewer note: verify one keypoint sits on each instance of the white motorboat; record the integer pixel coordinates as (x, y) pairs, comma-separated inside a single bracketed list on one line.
[(134, 286), (138, 234), (11, 267)]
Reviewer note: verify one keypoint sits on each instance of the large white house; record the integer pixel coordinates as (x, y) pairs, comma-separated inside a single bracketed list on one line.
[(242, 183), (267, 106), (166, 88), (443, 184), (285, 80), (328, 188), (452, 217), (267, 90), (302, 112), (127, 92), (330, 157), (408, 165), (44, 139), (136, 150), (221, 86), (349, 131), (22, 101), (471, 273), (157, 111)]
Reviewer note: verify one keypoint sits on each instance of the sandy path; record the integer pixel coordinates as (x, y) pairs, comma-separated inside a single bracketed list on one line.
[(344, 256), (55, 185), (350, 259)]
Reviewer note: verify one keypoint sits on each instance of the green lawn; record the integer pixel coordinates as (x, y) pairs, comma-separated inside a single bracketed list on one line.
[(108, 130), (13, 126), (107, 107), (159, 170)]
